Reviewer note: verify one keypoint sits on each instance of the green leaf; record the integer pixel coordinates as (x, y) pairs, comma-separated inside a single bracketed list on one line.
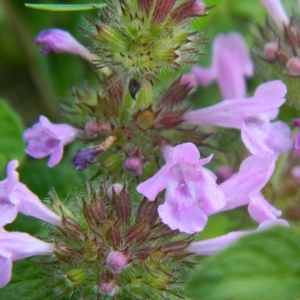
[(27, 283), (230, 140), (65, 7), (11, 143), (265, 266)]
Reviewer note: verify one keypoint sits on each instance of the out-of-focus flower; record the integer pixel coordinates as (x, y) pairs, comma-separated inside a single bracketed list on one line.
[(243, 188), (223, 173), (296, 122), (61, 41), (277, 12), (215, 245), (16, 197), (45, 138), (15, 246), (252, 116), (191, 190), (231, 63)]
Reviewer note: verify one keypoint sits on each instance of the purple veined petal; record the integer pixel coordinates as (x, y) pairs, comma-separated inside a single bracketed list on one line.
[(46, 139), (254, 173), (155, 184), (56, 155), (260, 135), (209, 193), (277, 12), (5, 270), (186, 153), (61, 41), (261, 210), (22, 245), (182, 213), (229, 113), (62, 132), (215, 245)]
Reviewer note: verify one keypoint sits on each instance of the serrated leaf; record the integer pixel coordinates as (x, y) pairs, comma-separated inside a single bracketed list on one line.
[(65, 7), (265, 266), (11, 143), (230, 140)]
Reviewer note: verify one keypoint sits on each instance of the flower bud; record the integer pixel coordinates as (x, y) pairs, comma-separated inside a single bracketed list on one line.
[(270, 51), (293, 65), (134, 163), (117, 261)]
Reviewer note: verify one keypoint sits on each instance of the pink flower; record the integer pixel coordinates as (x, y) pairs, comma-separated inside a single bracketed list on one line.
[(191, 190), (243, 188), (277, 12), (15, 246), (231, 62), (215, 245), (252, 116), (16, 197), (61, 41), (45, 138)]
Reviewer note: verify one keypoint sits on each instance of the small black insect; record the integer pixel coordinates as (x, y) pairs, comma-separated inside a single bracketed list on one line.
[(134, 87)]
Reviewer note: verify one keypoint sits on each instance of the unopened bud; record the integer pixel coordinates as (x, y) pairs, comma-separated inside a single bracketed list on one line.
[(96, 127), (293, 65), (223, 173), (107, 288), (118, 261), (296, 122), (135, 161), (116, 188), (270, 51)]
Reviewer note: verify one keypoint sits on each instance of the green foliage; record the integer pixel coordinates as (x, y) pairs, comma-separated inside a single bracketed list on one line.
[(11, 143), (65, 7), (261, 266), (230, 140), (27, 283)]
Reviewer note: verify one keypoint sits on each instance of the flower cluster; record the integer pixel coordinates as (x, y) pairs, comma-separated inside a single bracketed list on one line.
[(132, 232)]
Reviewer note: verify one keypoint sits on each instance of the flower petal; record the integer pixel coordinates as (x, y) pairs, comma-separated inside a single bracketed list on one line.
[(254, 173), (155, 184), (261, 210)]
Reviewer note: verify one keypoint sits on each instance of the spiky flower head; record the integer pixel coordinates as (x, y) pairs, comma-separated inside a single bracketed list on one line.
[(138, 38), (104, 248)]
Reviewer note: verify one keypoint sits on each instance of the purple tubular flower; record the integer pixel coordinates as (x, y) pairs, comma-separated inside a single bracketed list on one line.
[(215, 245), (277, 12), (231, 113), (45, 138), (17, 245), (61, 41), (243, 188), (16, 197), (191, 190), (252, 116), (297, 143), (230, 64)]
